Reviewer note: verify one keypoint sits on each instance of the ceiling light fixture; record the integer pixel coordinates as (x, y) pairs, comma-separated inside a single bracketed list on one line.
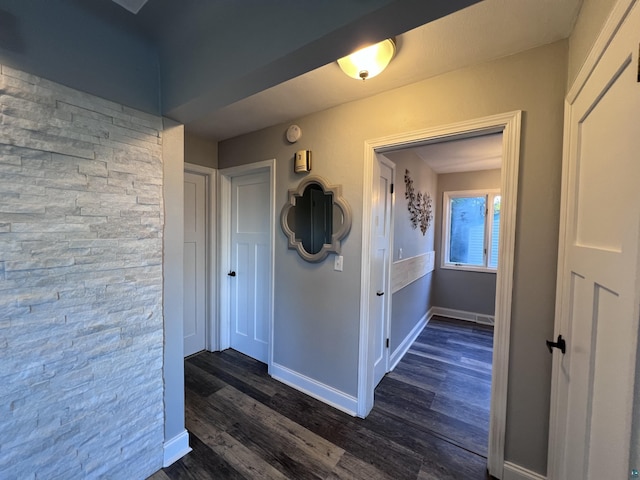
[(369, 61)]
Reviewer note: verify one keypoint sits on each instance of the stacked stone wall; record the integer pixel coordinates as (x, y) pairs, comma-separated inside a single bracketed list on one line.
[(81, 329)]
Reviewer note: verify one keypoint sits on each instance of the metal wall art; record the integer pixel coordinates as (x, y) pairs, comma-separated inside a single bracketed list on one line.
[(419, 205)]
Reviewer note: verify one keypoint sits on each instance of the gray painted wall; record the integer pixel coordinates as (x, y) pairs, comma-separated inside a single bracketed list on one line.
[(456, 289), (81, 251), (593, 15), (90, 46), (425, 180), (200, 151), (317, 309), (411, 303), (173, 275)]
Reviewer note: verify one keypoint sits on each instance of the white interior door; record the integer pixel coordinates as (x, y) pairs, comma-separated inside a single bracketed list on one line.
[(598, 309), (250, 275), (380, 294), (194, 266)]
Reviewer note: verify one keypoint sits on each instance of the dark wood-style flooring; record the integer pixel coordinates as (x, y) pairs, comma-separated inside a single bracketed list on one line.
[(429, 422)]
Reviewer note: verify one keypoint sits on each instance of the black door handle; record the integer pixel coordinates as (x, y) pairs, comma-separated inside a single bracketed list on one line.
[(379, 293), (232, 274), (560, 343)]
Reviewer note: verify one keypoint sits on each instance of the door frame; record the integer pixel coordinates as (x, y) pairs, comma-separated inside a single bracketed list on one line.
[(225, 176), (557, 423), (211, 179), (509, 124)]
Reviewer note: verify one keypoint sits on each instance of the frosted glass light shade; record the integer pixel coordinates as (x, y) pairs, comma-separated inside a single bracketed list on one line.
[(369, 61)]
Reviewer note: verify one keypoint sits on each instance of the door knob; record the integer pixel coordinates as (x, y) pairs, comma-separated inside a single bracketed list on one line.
[(232, 274), (379, 293), (560, 343)]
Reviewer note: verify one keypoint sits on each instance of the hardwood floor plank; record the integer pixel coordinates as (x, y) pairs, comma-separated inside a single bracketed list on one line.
[(246, 462), (159, 475), (353, 436), (472, 390), (472, 345), (352, 468), (202, 463), (463, 409), (481, 370), (456, 430), (440, 456), (199, 381), (291, 464), (244, 381), (319, 454), (199, 408)]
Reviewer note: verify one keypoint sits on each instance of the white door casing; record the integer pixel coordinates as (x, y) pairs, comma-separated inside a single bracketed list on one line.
[(509, 124), (247, 220), (195, 263), (597, 304), (380, 296)]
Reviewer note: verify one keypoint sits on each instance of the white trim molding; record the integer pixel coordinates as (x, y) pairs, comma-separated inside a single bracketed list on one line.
[(402, 349), (175, 448), (509, 124), (516, 472), (480, 318), (325, 393)]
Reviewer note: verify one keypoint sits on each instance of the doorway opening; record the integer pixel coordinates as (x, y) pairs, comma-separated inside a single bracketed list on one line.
[(508, 125), (444, 281)]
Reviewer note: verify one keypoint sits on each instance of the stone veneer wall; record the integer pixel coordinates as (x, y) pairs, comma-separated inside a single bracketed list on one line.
[(81, 329)]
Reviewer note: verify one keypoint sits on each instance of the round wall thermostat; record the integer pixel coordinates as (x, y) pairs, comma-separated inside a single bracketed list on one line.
[(294, 133)]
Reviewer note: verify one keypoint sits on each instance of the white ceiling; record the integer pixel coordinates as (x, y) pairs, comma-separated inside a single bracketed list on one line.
[(133, 6), (462, 155), (488, 30)]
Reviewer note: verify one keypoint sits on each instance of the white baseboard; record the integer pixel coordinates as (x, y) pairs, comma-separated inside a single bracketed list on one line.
[(515, 472), (464, 315), (324, 393), (176, 448), (404, 347)]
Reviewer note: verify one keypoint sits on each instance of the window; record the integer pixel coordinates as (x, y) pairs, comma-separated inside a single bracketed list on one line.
[(470, 230)]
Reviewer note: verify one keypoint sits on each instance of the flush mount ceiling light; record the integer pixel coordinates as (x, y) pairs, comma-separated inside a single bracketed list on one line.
[(369, 61)]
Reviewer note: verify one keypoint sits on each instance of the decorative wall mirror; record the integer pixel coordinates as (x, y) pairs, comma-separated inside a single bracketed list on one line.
[(315, 218)]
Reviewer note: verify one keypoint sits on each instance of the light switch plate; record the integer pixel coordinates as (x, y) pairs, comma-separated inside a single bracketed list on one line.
[(337, 264)]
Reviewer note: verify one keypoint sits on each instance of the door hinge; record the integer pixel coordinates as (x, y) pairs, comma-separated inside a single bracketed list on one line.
[(387, 343), (392, 188)]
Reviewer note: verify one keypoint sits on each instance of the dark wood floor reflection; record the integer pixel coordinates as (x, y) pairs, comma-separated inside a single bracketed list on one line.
[(430, 419)]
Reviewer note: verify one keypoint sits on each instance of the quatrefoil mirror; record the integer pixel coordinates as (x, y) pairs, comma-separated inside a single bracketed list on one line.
[(315, 218)]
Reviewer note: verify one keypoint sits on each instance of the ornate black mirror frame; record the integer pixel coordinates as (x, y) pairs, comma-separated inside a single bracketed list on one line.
[(336, 237)]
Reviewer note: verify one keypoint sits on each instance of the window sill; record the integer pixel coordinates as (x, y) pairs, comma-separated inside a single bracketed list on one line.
[(468, 268)]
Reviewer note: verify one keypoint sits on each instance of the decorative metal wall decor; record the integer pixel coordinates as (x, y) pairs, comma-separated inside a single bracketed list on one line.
[(419, 205)]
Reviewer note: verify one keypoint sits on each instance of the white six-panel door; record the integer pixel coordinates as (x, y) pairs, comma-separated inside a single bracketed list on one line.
[(250, 274), (598, 312), (194, 266)]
